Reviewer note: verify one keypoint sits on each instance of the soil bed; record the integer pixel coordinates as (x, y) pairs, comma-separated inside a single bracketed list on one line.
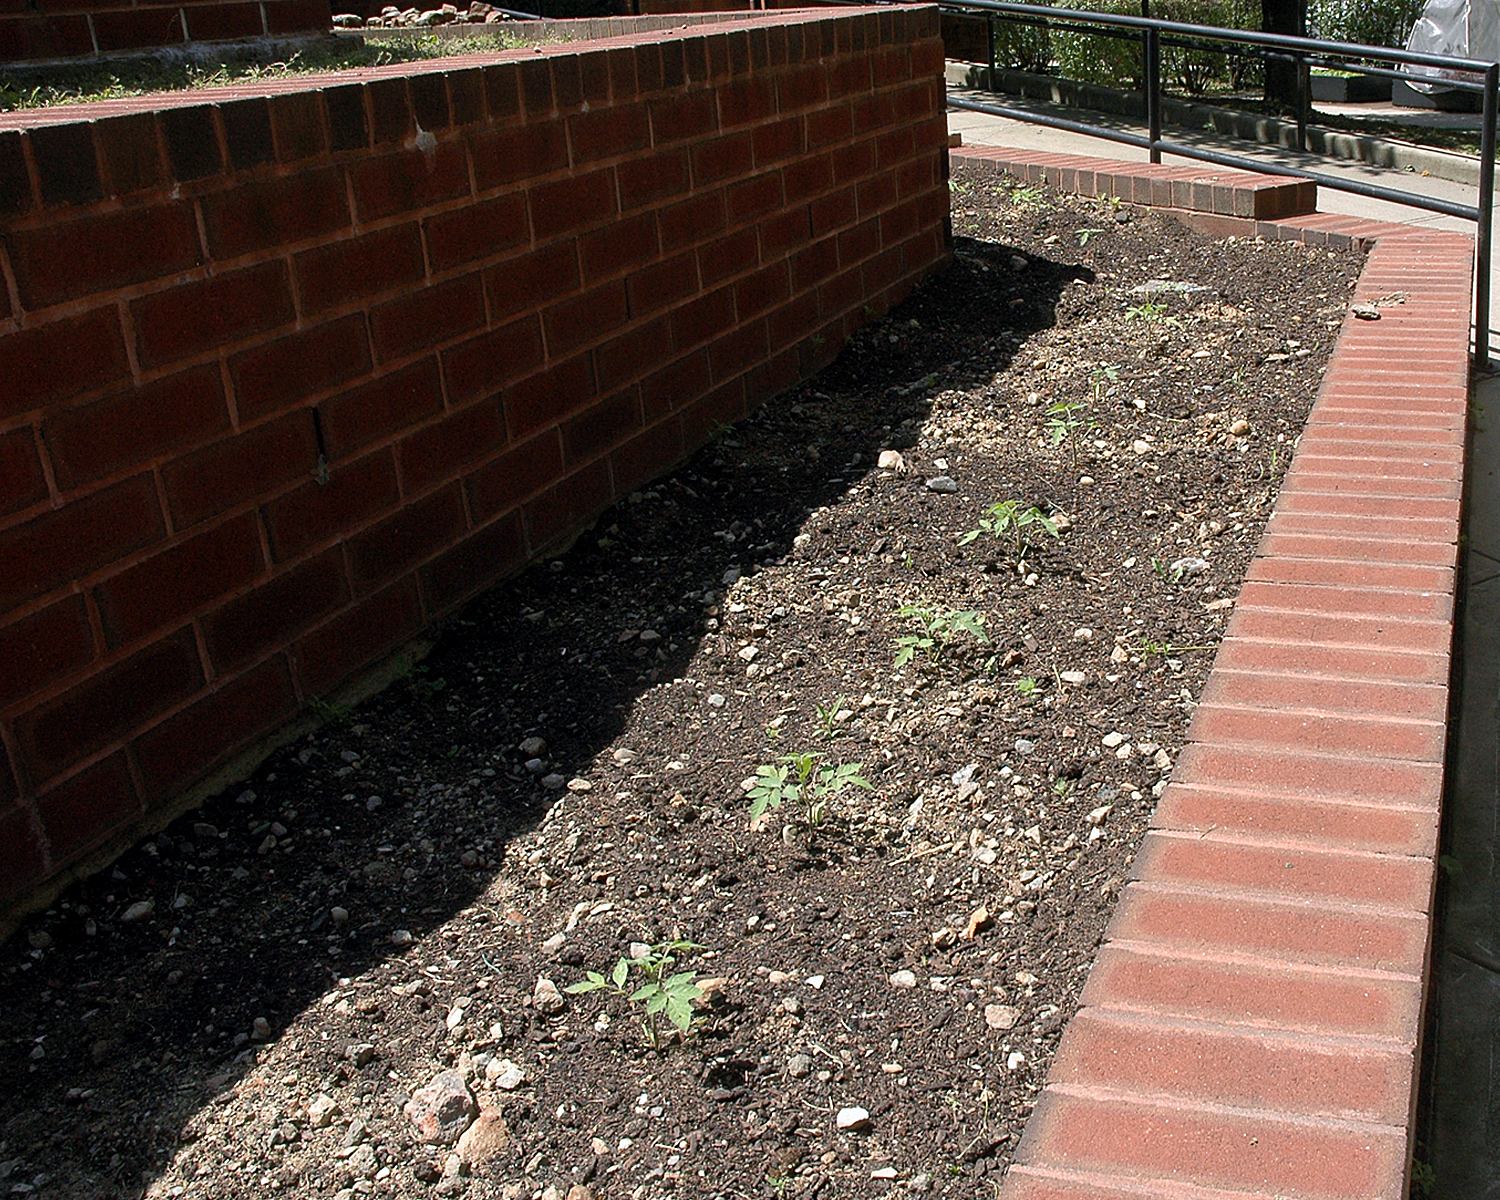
[(379, 903)]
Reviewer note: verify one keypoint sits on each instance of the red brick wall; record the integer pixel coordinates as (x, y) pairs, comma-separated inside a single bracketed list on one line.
[(589, 257), (49, 29)]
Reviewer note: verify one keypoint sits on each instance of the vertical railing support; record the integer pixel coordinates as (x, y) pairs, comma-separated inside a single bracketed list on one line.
[(1483, 237), (1304, 100), (1153, 92), (994, 53)]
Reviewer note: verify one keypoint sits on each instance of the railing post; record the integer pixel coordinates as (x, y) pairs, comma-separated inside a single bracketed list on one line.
[(989, 21), (1482, 240), (1304, 100), (1153, 92)]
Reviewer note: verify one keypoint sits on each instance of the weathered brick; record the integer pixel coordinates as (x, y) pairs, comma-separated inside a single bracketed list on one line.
[(61, 359), (108, 706), (69, 543), (238, 469), (192, 318), (483, 557), (70, 260), (260, 214), (356, 269), (316, 512), (417, 532), (283, 372), (188, 745), (44, 646), (373, 628), (381, 407), (258, 622), (131, 428), (83, 811), (160, 591)]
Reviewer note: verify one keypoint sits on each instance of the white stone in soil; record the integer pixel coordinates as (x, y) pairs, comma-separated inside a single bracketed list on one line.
[(852, 1118)]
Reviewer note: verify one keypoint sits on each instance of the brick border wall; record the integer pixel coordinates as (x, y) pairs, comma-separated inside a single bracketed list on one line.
[(293, 370), (1252, 1025), (64, 29)]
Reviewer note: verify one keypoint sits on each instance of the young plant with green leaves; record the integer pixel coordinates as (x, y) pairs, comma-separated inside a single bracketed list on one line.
[(1007, 520), (828, 716), (672, 994), (1152, 313), (940, 628), (803, 779)]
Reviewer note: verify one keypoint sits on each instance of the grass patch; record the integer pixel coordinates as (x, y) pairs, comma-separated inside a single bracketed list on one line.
[(82, 83)]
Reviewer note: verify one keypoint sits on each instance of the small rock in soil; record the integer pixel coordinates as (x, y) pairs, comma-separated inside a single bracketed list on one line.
[(441, 1111)]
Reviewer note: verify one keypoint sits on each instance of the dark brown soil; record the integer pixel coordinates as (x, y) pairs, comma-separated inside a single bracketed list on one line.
[(914, 955)]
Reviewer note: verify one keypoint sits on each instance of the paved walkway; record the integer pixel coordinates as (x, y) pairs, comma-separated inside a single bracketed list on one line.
[(1458, 1136)]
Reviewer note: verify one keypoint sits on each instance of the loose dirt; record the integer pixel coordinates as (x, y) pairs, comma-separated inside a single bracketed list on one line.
[(563, 783)]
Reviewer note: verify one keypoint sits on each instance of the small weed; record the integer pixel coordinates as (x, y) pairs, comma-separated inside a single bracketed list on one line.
[(1085, 235), (1100, 378), (1149, 647), (1166, 571), (1152, 314), (1064, 419), (1061, 787), (801, 780), (939, 629), (1025, 196), (1008, 519), (1109, 201), (828, 717), (423, 686), (1423, 1177), (817, 339), (334, 715), (661, 993), (1026, 685)]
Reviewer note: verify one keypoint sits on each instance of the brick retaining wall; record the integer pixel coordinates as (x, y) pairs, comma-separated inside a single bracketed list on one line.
[(33, 30), (1252, 1025), (290, 370)]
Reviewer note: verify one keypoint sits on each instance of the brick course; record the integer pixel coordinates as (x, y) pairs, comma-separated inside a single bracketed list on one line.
[(288, 381), (1252, 1025)]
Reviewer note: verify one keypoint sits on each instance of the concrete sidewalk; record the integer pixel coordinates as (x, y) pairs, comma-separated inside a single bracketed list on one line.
[(1460, 1136), (985, 130)]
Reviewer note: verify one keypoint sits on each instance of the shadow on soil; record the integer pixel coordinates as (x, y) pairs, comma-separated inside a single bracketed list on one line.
[(391, 817)]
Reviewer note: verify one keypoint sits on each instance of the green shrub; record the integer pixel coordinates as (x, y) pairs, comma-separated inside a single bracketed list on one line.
[(1367, 22), (1118, 61)]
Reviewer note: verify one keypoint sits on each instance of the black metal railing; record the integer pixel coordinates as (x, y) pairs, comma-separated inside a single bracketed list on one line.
[(1303, 53)]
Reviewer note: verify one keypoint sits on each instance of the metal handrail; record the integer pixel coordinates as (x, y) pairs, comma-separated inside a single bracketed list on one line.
[(1153, 32)]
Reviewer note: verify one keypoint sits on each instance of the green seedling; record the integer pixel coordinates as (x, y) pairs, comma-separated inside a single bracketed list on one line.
[(334, 715), (1101, 377), (1423, 1178), (423, 686), (672, 994), (1026, 685), (1007, 519), (828, 716), (1085, 235), (1064, 419), (1026, 195), (801, 780), (1150, 647), (940, 627), (1151, 313)]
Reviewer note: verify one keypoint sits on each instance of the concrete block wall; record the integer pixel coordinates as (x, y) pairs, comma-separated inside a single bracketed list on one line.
[(42, 30), (291, 370)]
